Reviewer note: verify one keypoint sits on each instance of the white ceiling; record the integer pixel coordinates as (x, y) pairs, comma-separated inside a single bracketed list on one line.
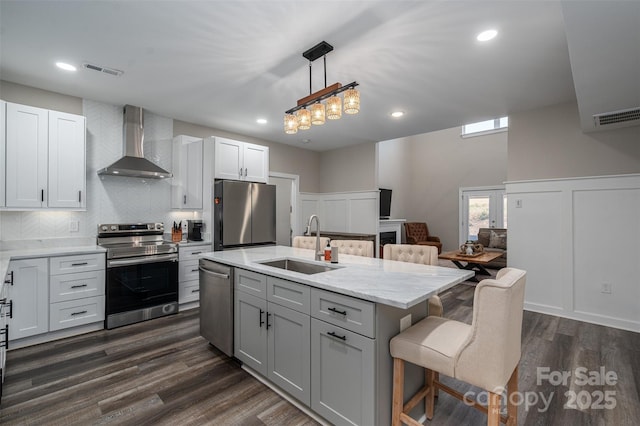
[(223, 64)]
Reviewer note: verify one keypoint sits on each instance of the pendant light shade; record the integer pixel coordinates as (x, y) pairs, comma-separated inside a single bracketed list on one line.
[(304, 119), (334, 108), (351, 101), (290, 124), (317, 114)]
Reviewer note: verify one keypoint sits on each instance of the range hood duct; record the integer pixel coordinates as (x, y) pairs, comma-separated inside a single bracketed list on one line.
[(133, 163)]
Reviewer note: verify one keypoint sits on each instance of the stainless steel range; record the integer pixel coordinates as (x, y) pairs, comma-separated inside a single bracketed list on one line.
[(142, 272)]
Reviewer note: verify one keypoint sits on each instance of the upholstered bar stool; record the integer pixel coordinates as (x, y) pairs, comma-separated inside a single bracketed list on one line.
[(412, 253), (484, 354), (354, 247), (309, 242)]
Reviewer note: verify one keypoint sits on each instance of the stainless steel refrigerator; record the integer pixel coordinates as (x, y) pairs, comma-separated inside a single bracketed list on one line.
[(244, 214)]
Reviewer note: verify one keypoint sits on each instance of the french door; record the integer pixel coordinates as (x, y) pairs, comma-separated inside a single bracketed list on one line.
[(484, 207)]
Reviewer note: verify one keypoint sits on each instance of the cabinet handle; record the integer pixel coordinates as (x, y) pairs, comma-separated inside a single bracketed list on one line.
[(261, 322), (240, 171), (184, 199), (332, 334), (78, 313), (337, 311), (80, 264), (195, 291), (194, 270), (78, 286), (79, 196), (5, 331), (268, 325), (10, 305), (245, 172), (195, 252), (10, 280), (42, 195)]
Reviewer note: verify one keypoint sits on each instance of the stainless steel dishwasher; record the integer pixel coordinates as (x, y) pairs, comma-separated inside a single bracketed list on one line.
[(216, 305)]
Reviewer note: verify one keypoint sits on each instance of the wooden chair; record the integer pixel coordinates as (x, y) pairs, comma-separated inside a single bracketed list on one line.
[(484, 354), (309, 242), (354, 247), (418, 233)]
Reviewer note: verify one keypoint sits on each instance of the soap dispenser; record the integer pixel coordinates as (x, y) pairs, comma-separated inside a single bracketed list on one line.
[(327, 252)]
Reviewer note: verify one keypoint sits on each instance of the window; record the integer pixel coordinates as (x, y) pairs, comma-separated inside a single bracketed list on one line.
[(485, 127)]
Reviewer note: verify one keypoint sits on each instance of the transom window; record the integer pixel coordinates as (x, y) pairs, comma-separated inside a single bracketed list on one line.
[(485, 127)]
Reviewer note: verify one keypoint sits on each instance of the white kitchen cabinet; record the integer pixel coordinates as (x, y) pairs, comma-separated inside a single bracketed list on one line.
[(188, 273), (186, 185), (241, 161), (45, 158), (3, 136), (67, 161), (26, 156), (29, 295)]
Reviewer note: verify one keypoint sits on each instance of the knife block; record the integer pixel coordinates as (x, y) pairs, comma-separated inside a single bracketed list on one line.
[(176, 235)]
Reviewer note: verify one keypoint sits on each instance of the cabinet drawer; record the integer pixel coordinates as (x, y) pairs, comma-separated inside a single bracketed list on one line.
[(188, 270), (344, 311), (251, 282), (77, 263), (67, 287), (192, 252), (76, 312), (189, 291), (292, 295)]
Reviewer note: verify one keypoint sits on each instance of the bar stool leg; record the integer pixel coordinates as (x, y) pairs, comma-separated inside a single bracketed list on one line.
[(429, 400), (398, 391), (493, 412), (512, 389)]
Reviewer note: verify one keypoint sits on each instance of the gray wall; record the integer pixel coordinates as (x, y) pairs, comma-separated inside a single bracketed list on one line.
[(353, 168), (25, 95), (282, 158), (548, 143), (435, 166)]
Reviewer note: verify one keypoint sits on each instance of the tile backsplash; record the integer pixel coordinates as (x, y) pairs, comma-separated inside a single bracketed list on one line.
[(110, 199)]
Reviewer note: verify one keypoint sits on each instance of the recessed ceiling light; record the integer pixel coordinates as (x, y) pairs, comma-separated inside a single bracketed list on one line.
[(65, 66), (396, 114), (261, 121), (487, 35)]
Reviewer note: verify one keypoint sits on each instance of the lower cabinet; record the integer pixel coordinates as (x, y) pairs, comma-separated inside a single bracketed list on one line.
[(29, 296), (188, 275), (274, 341), (342, 374)]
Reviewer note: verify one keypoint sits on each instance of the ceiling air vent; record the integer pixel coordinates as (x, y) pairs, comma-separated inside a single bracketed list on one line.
[(623, 118), (110, 71)]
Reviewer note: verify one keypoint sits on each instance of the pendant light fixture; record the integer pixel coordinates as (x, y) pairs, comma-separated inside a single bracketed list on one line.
[(310, 109)]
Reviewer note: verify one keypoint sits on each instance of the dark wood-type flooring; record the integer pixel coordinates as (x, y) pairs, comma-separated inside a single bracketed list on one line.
[(163, 372)]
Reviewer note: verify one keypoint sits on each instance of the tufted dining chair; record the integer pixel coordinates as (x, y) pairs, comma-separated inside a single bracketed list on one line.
[(309, 242), (425, 255), (485, 353), (354, 247)]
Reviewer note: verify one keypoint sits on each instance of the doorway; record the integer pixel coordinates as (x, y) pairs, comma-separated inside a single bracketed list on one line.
[(484, 207), (286, 201)]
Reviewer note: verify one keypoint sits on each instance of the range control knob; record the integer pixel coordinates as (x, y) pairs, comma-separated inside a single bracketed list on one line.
[(104, 227), (158, 226), (114, 228)]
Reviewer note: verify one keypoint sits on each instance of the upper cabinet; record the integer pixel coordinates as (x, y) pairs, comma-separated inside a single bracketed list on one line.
[(186, 185), (3, 112), (45, 158), (241, 161)]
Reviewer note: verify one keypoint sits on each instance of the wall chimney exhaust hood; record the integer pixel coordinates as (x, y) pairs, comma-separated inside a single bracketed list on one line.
[(133, 163)]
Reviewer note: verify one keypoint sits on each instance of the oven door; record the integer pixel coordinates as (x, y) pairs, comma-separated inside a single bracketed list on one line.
[(141, 282)]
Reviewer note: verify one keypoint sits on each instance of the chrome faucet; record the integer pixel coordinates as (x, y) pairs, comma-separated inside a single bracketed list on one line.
[(319, 253)]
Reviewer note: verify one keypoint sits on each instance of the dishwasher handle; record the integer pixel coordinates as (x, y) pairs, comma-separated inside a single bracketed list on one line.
[(215, 274)]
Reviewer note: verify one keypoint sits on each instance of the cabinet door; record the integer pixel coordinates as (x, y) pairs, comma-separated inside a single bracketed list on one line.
[(3, 120), (67, 161), (256, 163), (26, 156), (289, 359), (193, 189), (342, 375), (250, 331), (30, 296), (228, 159)]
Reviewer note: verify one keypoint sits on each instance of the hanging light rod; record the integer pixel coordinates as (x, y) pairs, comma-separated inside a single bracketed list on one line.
[(304, 118)]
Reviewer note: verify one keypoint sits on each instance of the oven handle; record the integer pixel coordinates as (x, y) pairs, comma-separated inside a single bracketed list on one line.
[(144, 259), (215, 274)]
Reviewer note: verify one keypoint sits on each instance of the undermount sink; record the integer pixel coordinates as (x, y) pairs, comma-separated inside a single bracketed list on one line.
[(299, 266)]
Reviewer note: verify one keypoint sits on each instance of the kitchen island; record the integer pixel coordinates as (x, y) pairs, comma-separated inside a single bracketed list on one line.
[(322, 338)]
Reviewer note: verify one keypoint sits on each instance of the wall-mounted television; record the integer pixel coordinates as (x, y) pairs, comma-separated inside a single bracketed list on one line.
[(385, 203)]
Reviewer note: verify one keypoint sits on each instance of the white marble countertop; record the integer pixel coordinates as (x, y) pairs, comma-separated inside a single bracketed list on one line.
[(388, 282), (41, 250)]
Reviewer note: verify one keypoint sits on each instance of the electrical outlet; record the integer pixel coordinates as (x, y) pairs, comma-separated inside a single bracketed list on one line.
[(405, 322), (74, 226), (606, 288)]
